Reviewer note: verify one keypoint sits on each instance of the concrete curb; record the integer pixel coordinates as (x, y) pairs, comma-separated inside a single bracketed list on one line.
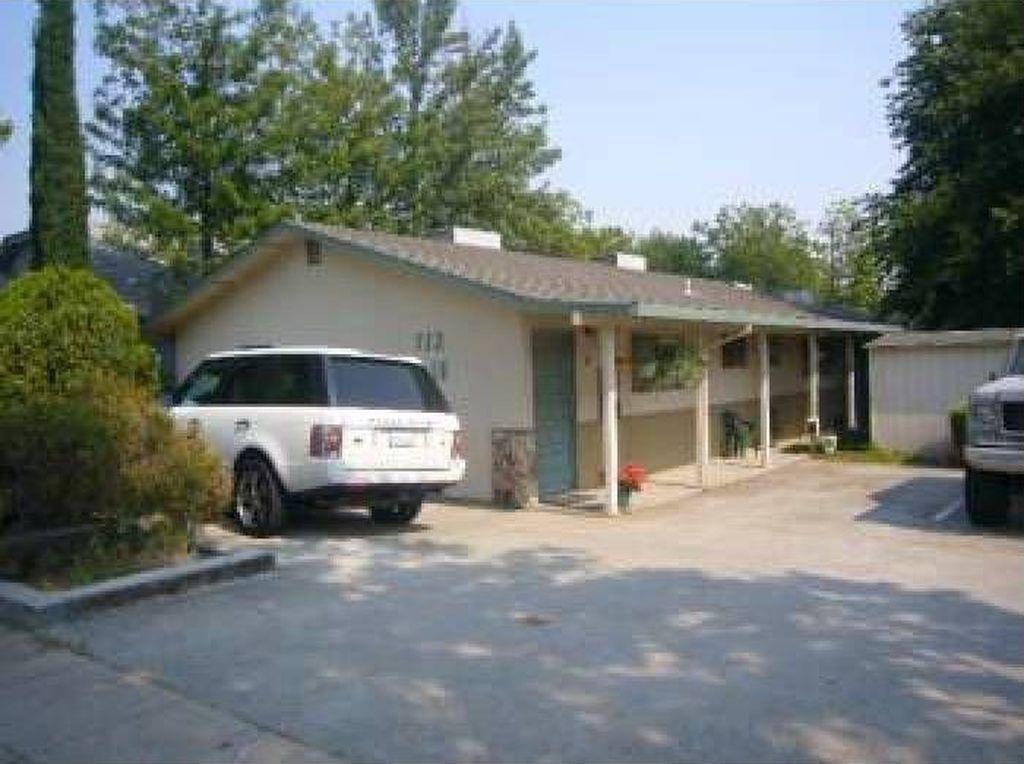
[(28, 606)]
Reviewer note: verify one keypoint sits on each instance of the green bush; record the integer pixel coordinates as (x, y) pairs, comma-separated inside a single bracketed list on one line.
[(59, 327), (104, 455)]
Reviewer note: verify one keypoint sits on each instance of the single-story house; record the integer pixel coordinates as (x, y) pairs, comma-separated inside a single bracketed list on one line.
[(561, 370), (918, 377)]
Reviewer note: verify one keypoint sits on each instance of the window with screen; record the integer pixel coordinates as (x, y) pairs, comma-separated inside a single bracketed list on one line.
[(379, 384), (660, 363), (278, 380), (734, 354)]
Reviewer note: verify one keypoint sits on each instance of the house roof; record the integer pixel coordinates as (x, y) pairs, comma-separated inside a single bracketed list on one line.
[(537, 283), (947, 338), (139, 280)]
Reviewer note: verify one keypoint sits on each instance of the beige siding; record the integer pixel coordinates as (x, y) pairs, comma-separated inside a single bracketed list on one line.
[(913, 390), (348, 302)]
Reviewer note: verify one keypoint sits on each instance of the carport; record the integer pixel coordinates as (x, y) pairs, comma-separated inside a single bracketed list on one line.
[(710, 337)]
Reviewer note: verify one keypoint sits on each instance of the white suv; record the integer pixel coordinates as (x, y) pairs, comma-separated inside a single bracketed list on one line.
[(995, 443), (323, 424)]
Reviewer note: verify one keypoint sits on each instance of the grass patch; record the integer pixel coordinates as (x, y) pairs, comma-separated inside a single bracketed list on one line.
[(855, 452), (99, 558)]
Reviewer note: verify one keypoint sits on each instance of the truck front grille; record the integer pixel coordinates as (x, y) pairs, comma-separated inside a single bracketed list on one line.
[(1013, 417)]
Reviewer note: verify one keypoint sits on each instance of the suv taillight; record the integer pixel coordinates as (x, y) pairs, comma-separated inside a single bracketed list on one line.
[(325, 441), (458, 445)]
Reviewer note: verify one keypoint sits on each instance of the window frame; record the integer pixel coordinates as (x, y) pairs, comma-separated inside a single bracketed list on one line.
[(731, 363), (665, 384)]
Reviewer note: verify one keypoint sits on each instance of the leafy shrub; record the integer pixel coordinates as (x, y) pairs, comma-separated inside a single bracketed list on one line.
[(57, 457), (59, 327), (107, 455)]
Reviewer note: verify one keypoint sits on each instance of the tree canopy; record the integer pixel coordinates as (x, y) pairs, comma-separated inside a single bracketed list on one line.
[(214, 121), (952, 229)]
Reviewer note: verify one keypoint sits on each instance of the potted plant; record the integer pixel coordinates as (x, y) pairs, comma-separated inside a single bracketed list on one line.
[(631, 478)]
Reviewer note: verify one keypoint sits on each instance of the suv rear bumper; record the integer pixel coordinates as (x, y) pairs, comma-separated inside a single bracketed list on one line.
[(995, 459), (335, 479), (363, 495)]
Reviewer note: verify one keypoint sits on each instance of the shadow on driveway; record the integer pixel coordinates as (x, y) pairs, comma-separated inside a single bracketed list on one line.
[(417, 651), (931, 502)]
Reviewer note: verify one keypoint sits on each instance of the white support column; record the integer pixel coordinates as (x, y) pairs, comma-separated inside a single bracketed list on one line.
[(701, 418), (851, 384), (813, 382), (766, 398), (610, 418)]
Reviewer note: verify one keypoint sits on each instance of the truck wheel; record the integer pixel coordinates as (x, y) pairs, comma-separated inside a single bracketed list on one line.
[(396, 513), (258, 498), (986, 497)]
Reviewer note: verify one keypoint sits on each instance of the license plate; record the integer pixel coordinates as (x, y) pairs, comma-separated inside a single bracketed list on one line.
[(402, 440)]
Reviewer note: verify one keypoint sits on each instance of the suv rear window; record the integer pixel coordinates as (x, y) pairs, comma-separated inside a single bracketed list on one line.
[(378, 384)]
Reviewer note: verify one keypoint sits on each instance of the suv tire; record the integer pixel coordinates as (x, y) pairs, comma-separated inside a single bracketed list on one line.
[(396, 513), (258, 502), (986, 497)]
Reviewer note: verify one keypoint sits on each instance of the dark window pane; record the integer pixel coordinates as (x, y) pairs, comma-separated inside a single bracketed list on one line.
[(285, 380), (734, 354), (376, 384), (205, 386)]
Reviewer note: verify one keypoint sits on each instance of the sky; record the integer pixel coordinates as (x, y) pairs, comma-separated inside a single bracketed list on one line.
[(664, 111)]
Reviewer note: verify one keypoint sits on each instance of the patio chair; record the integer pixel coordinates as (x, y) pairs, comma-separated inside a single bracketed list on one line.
[(737, 434)]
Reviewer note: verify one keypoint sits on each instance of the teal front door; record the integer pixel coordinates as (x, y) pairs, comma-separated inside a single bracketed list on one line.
[(554, 406)]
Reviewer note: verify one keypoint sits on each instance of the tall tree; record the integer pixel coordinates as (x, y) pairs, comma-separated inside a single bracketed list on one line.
[(767, 247), (852, 269), (6, 130), (59, 207), (953, 226), (185, 138), (676, 253), (215, 120), (470, 134)]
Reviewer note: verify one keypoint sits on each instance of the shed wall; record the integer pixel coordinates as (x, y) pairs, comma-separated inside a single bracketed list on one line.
[(913, 389)]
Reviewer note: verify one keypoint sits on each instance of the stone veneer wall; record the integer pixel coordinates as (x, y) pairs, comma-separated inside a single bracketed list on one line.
[(513, 467)]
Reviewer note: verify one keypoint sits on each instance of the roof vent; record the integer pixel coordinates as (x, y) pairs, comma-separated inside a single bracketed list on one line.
[(628, 261), (475, 237)]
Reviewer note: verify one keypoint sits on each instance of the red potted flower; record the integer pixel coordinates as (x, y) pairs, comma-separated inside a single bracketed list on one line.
[(631, 478)]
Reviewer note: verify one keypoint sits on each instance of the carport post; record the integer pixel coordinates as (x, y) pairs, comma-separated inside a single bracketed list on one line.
[(812, 383), (851, 384), (610, 417), (766, 397), (701, 417)]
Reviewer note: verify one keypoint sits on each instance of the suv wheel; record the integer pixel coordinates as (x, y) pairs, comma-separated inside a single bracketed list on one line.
[(986, 497), (396, 513), (258, 498)]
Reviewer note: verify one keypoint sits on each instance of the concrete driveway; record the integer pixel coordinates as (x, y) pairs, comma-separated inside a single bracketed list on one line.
[(820, 613)]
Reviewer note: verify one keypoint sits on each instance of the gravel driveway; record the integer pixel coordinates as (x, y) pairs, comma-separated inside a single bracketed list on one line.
[(819, 613)]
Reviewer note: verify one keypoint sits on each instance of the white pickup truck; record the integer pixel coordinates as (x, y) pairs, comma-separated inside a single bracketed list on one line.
[(995, 443)]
